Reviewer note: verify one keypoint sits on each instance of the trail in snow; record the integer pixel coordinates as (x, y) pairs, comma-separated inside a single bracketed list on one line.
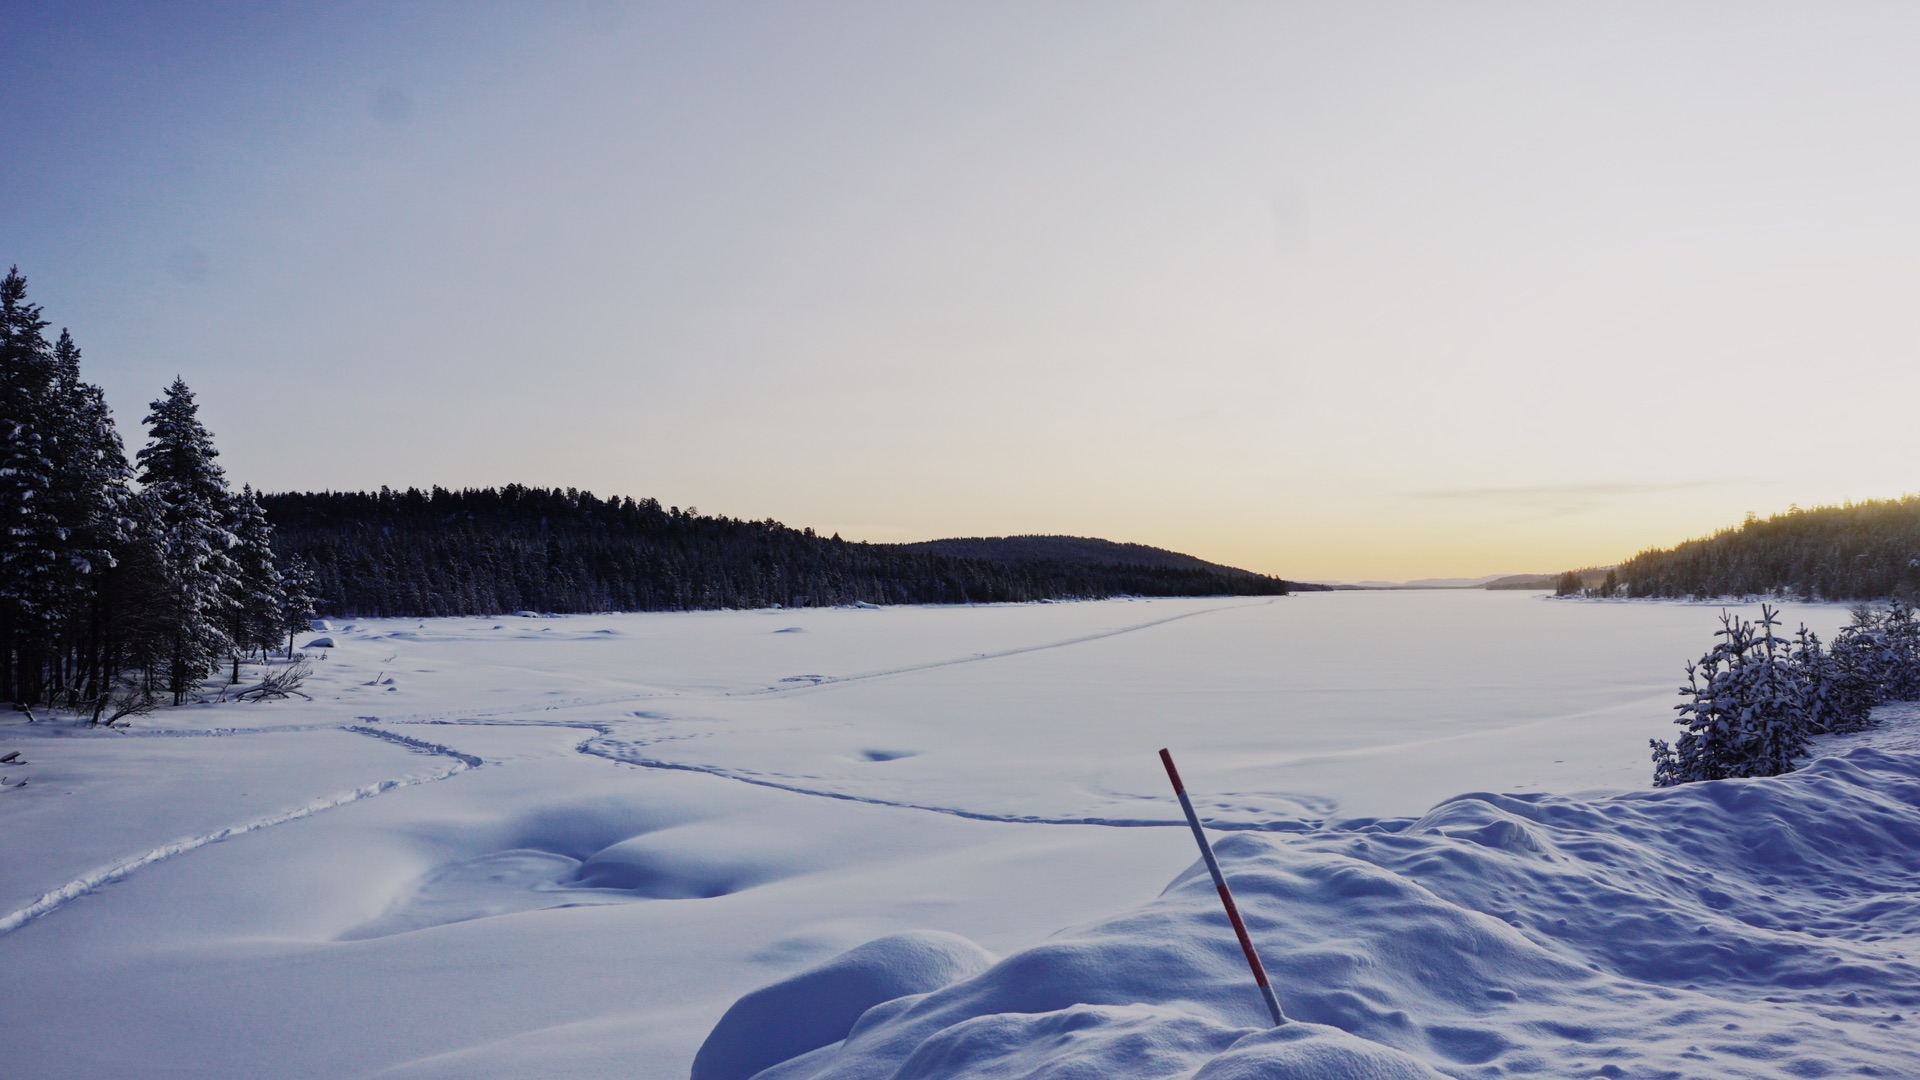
[(628, 758), (93, 879), (813, 682), (625, 755), (810, 683)]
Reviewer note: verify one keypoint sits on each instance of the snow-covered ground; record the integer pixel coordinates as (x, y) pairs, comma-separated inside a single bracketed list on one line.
[(565, 847)]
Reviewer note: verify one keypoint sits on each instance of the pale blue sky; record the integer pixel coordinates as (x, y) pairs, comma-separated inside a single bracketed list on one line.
[(1329, 290)]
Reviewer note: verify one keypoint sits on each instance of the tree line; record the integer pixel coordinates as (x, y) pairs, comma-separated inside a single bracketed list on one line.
[(120, 581), (491, 550), (1856, 551)]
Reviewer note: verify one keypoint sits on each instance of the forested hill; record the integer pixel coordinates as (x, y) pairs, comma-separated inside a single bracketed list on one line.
[(1859, 551), (1068, 549), (474, 552)]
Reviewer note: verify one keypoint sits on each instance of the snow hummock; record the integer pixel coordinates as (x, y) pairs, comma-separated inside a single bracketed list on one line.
[(1729, 928), (820, 1005)]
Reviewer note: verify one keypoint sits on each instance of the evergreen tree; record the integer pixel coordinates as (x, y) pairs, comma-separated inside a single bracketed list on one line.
[(297, 601), (31, 538), (1741, 709), (89, 499), (254, 618), (188, 493), (1829, 698)]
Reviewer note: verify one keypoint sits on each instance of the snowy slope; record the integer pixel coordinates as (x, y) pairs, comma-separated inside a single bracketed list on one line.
[(1735, 928)]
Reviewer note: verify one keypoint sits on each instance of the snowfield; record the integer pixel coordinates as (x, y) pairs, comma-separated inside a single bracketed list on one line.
[(926, 842)]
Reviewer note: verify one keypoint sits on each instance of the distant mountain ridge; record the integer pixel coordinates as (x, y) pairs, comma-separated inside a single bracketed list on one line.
[(1496, 582)]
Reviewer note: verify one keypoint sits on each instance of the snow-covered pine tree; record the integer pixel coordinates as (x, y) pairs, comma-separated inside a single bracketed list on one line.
[(1830, 696), (141, 597), (1899, 633), (297, 599), (1740, 711), (255, 618), (188, 492), (30, 536), (89, 499), (1857, 660)]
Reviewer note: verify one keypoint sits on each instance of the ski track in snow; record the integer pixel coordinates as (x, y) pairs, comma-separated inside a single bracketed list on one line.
[(623, 756), (811, 683), (830, 680), (1281, 825), (104, 875)]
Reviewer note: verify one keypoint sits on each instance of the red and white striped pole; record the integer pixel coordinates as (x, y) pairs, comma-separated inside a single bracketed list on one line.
[(1226, 897)]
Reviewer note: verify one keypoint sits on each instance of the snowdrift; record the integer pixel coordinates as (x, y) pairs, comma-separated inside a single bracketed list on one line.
[(1753, 928)]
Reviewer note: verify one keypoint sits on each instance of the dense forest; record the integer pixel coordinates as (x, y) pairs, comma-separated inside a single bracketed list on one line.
[(441, 552), (1858, 551), (122, 580)]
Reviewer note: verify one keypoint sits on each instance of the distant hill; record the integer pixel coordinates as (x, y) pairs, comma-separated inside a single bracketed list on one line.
[(1522, 581), (1857, 551), (1068, 549), (481, 552), (1086, 551), (1487, 581)]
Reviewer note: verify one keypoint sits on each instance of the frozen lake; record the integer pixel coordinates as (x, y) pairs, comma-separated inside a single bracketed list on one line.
[(562, 847)]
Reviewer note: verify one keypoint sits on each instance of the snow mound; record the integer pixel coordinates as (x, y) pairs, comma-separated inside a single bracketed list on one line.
[(319, 643), (1753, 928), (1302, 1051), (820, 1006), (700, 860)]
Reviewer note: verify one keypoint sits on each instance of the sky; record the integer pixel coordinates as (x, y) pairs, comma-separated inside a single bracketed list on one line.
[(1331, 291)]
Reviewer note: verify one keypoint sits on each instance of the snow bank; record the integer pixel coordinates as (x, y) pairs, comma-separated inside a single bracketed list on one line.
[(820, 1005), (1732, 928)]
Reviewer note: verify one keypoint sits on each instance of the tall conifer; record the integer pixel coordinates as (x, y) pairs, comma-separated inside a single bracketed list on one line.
[(188, 492), (255, 618), (30, 534)]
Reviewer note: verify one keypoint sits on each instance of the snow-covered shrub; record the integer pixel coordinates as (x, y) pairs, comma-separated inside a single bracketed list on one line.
[(1742, 711), (1836, 692), (1897, 632), (1877, 657), (1857, 672), (1755, 698)]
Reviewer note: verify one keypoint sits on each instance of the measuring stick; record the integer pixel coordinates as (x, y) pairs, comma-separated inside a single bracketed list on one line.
[(1226, 897)]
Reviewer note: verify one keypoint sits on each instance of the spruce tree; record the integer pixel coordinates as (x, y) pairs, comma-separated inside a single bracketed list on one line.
[(1741, 710), (89, 498), (30, 534), (297, 600), (255, 617), (188, 494)]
